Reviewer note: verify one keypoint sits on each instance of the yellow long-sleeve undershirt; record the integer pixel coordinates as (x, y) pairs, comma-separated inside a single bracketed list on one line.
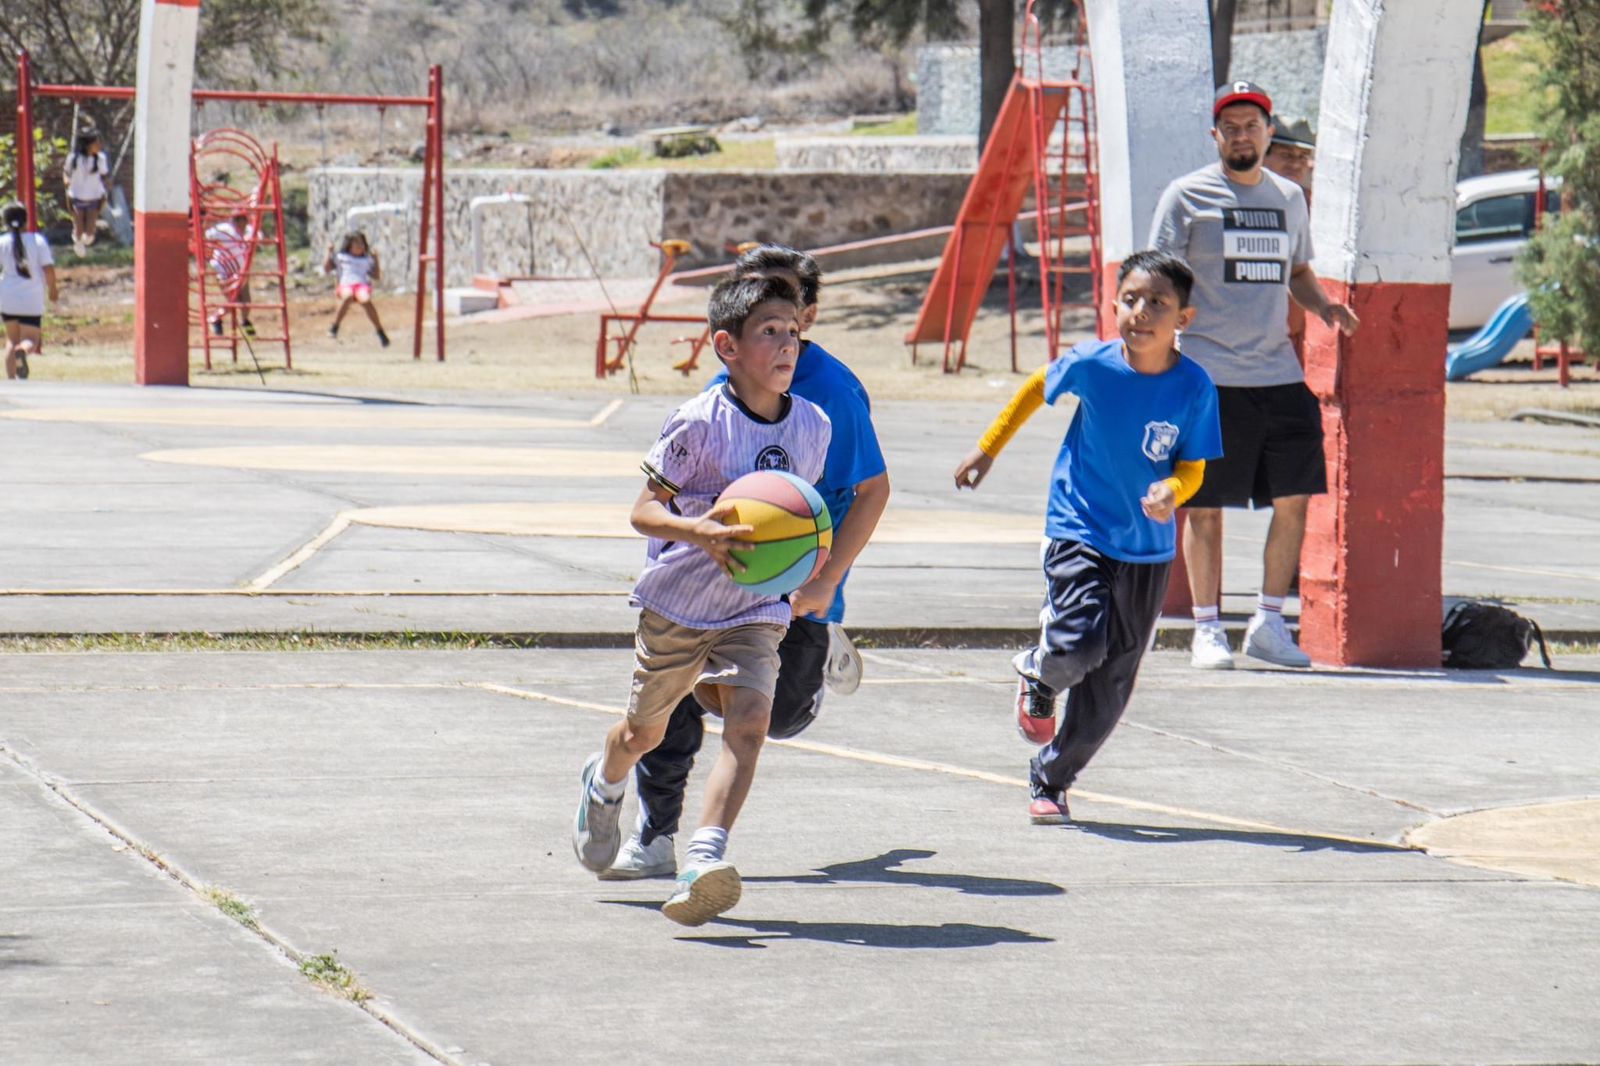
[(1187, 474)]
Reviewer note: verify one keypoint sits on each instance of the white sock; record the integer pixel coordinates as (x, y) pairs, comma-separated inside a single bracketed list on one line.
[(708, 844), (607, 791), (1206, 616), (1269, 606)]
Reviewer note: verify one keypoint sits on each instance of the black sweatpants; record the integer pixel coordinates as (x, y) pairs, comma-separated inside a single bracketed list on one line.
[(1097, 619), (664, 773)]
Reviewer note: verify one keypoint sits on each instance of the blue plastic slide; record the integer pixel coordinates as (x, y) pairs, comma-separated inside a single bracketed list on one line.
[(1510, 323)]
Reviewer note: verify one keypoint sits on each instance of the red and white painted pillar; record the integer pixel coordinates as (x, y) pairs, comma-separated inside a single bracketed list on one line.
[(1394, 102), (1152, 91), (167, 31)]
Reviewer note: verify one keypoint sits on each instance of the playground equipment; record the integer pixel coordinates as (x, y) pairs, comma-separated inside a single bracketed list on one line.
[(224, 267), (431, 223), (605, 364), (476, 207), (1043, 141), (400, 208), (1509, 324)]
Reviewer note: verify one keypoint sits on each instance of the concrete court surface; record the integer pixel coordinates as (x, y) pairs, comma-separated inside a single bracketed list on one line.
[(166, 510), (1236, 889)]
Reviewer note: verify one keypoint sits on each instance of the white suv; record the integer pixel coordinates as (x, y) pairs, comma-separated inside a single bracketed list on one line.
[(1494, 216)]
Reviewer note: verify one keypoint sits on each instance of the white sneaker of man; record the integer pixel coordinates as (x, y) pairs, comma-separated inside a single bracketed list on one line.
[(1268, 639), (1209, 649), (637, 861)]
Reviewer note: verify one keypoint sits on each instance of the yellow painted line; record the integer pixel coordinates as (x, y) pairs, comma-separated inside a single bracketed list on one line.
[(1568, 574), (305, 416), (905, 763), (340, 523), (411, 460), (611, 521)]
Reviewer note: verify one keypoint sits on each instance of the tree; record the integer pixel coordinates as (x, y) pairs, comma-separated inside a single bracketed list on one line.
[(1561, 266), (1222, 18), (1471, 164)]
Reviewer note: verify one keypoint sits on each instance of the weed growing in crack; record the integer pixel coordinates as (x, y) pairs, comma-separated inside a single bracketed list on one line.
[(330, 973), (233, 907)]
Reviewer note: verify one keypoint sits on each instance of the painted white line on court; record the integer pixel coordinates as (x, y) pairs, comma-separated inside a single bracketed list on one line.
[(340, 523), (605, 412), (250, 593), (905, 763)]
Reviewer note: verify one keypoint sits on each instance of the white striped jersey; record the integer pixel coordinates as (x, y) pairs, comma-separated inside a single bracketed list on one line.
[(706, 445)]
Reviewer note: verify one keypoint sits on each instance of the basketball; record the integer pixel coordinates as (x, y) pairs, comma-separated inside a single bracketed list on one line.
[(793, 531)]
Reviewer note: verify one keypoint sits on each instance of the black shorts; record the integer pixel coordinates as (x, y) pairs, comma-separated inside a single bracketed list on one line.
[(36, 321), (1271, 444)]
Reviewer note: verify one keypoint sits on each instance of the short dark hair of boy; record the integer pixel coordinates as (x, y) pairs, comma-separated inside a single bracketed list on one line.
[(1166, 265), (764, 258), (735, 299)]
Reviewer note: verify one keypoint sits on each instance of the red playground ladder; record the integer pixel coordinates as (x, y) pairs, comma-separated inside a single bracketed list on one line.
[(1042, 142), (225, 270)]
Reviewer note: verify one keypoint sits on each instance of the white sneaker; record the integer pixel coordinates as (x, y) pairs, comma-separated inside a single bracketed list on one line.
[(637, 861), (702, 892), (843, 672), (1209, 650), (1268, 639)]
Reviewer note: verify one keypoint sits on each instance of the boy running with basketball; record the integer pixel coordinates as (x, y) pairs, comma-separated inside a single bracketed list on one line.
[(1135, 451), (815, 651), (698, 631)]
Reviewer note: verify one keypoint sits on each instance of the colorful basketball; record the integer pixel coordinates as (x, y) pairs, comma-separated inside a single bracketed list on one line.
[(793, 531)]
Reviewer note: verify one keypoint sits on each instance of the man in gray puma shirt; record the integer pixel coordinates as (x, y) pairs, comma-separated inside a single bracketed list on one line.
[(1246, 234)]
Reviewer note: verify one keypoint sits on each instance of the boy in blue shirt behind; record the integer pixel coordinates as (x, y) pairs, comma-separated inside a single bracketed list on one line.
[(1136, 449)]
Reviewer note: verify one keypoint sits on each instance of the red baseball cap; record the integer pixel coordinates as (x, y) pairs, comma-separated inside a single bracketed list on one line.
[(1240, 92)]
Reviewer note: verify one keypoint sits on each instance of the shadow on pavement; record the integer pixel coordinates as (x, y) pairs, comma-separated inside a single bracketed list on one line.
[(881, 870), (1161, 834), (10, 943), (858, 934)]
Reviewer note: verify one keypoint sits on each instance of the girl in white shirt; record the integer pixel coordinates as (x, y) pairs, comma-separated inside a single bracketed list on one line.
[(86, 173), (27, 274), (357, 266)]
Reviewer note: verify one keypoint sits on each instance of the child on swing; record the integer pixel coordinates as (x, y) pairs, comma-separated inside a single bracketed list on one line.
[(86, 172), (356, 264)]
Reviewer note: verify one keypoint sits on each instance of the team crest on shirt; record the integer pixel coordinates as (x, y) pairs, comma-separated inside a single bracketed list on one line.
[(773, 457), (1159, 439)]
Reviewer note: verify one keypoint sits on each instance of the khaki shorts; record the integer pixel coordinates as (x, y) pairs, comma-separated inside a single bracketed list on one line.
[(671, 661)]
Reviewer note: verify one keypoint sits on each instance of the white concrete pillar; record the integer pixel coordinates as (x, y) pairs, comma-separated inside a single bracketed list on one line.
[(1394, 101), (167, 31), (1153, 88)]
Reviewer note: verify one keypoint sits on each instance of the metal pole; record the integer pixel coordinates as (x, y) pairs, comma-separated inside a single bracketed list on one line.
[(25, 190), (426, 217), (438, 219)]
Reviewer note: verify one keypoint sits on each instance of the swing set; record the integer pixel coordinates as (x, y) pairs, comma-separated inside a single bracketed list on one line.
[(431, 223)]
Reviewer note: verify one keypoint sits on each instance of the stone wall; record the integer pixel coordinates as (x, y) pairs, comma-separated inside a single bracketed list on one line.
[(877, 154), (808, 210), (615, 214), (1288, 65), (948, 89), (612, 214)]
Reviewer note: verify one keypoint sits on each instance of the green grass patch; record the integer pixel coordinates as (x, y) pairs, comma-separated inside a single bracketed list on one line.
[(330, 973), (899, 126), (617, 159), (1511, 68), (233, 907)]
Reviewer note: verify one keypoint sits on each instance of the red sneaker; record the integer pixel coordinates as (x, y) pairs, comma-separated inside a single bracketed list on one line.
[(1036, 713), (1048, 807)]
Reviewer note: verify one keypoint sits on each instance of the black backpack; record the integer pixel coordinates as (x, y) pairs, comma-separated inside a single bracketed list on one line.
[(1482, 636)]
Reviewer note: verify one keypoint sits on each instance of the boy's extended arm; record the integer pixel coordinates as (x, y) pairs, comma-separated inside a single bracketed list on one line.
[(1028, 399), (851, 535)]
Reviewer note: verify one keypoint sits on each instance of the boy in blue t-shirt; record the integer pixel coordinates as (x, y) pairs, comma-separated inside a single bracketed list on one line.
[(855, 486), (1135, 451)]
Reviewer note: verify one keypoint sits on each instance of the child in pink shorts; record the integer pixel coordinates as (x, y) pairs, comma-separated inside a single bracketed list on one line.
[(357, 267)]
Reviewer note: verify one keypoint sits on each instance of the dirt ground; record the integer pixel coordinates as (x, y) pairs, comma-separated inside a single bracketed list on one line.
[(865, 316)]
